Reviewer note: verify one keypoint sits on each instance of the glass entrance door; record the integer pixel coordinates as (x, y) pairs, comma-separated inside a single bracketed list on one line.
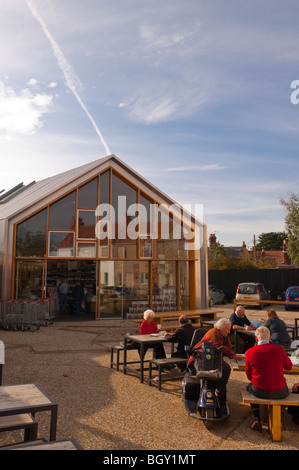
[(29, 277)]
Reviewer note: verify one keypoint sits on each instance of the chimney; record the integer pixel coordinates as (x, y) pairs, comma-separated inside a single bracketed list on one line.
[(286, 259), (212, 239)]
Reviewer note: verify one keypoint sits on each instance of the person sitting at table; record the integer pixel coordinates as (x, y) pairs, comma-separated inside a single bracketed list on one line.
[(264, 365), (278, 329), (149, 327), (219, 336), (239, 321), (182, 336)]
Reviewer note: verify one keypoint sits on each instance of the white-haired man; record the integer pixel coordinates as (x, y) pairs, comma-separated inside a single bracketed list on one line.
[(264, 367)]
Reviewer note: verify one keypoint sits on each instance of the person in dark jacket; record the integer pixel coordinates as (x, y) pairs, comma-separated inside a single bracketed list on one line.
[(240, 322), (278, 329), (78, 298), (182, 336)]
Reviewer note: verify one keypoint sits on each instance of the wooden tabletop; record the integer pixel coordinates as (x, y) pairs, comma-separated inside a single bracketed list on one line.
[(67, 444), (28, 398), (153, 338), (22, 396)]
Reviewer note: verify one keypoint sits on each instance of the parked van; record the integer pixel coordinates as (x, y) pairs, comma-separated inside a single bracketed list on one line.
[(252, 291)]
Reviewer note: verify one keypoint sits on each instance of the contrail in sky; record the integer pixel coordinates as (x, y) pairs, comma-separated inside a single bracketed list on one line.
[(66, 69)]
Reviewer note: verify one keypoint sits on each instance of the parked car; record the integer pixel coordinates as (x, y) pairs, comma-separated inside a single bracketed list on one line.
[(252, 291), (292, 297), (216, 295)]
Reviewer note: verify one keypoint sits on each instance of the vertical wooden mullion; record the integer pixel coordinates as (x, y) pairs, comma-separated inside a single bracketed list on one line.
[(178, 267), (192, 285), (150, 285), (13, 268), (138, 238)]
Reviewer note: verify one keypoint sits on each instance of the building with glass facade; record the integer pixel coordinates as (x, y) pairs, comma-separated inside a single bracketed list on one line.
[(103, 226)]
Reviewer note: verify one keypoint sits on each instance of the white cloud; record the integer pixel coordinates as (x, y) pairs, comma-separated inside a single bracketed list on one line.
[(21, 113), (32, 82), (165, 101), (211, 167)]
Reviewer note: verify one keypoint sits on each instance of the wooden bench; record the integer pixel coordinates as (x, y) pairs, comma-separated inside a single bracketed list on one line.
[(197, 314), (274, 410), (117, 349), (23, 421), (163, 364)]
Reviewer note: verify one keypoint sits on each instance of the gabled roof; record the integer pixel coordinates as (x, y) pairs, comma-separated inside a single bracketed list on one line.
[(40, 192), (41, 189)]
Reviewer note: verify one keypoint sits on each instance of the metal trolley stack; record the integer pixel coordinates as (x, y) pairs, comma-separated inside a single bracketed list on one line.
[(27, 314)]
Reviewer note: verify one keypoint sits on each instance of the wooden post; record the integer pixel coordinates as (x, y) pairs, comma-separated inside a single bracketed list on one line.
[(275, 422)]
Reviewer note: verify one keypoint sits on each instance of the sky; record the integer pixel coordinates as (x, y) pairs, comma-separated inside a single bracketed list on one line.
[(199, 97)]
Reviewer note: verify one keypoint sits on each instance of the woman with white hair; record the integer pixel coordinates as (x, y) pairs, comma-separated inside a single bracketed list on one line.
[(149, 327), (219, 336)]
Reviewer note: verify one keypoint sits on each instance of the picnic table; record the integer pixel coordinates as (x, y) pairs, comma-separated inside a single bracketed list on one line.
[(28, 398), (290, 329), (142, 340)]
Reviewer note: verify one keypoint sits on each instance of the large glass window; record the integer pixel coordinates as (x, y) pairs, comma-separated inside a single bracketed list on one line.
[(124, 229), (62, 213), (86, 224), (105, 187), (164, 286), (88, 194), (32, 236), (61, 244), (170, 236)]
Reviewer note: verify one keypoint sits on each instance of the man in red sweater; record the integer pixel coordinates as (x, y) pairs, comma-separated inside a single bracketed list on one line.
[(264, 365)]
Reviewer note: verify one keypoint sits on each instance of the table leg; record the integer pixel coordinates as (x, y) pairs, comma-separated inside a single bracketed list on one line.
[(141, 362), (275, 422), (53, 425), (125, 356)]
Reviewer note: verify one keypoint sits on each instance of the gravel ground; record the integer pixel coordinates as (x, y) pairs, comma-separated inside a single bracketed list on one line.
[(107, 410)]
